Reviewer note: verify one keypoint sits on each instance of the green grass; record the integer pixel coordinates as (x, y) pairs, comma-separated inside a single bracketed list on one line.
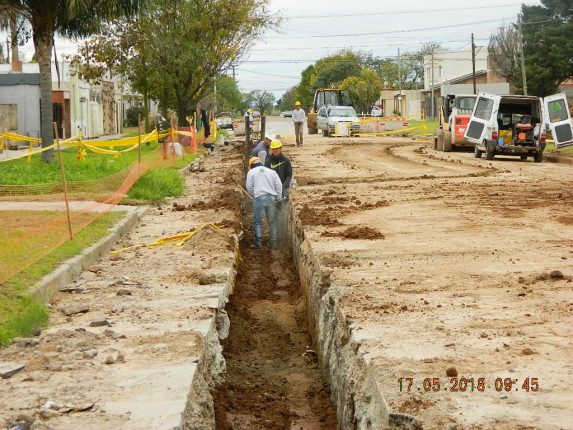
[(130, 131), (94, 166), (21, 314), (568, 150), (431, 127), (157, 184)]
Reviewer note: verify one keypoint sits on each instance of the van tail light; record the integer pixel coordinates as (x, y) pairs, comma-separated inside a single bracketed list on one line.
[(494, 135)]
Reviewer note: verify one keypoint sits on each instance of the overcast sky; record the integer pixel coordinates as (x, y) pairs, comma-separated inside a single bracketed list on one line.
[(315, 28)]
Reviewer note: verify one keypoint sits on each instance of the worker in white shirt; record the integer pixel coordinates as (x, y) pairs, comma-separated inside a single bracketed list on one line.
[(298, 117), (265, 186)]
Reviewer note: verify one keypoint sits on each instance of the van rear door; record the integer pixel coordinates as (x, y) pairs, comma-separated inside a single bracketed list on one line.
[(559, 119), (485, 109)]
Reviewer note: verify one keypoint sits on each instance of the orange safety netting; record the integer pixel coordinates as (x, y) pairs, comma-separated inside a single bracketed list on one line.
[(33, 218)]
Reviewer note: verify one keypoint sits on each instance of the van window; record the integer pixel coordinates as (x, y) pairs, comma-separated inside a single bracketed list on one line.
[(484, 108), (557, 111)]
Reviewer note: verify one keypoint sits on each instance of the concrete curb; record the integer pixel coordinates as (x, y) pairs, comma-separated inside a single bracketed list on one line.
[(199, 412), (359, 400), (72, 268)]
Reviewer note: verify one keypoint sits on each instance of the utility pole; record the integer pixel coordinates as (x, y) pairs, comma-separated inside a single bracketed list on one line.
[(432, 87), (233, 67), (474, 64), (523, 77), (400, 82)]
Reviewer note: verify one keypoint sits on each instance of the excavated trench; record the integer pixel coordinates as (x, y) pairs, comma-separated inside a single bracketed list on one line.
[(280, 354), (273, 379)]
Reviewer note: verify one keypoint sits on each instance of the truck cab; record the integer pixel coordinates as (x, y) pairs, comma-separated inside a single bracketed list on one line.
[(518, 125)]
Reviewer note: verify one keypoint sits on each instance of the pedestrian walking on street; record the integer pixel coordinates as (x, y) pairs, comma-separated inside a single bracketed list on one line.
[(262, 149), (264, 185), (298, 117)]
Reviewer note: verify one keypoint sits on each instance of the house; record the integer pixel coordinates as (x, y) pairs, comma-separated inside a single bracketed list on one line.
[(20, 103)]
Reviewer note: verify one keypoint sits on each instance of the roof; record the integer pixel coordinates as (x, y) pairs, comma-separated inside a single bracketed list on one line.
[(457, 79), (10, 79)]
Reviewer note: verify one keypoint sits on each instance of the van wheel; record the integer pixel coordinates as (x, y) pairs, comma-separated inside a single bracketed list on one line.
[(523, 156), (489, 152), (477, 152), (538, 157)]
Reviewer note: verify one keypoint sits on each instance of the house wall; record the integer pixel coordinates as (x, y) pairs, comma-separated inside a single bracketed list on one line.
[(27, 101), (449, 65)]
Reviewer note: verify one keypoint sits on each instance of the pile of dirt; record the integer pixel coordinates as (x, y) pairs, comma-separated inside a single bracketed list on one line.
[(236, 226), (356, 232), (309, 216), (229, 199)]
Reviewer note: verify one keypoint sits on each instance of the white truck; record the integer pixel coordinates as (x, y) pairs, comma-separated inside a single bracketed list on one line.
[(518, 125)]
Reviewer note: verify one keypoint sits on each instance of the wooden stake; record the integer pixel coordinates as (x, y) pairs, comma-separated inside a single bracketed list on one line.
[(63, 181), (139, 144)]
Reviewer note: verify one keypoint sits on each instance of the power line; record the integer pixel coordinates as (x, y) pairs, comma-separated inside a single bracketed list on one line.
[(403, 12), (441, 27)]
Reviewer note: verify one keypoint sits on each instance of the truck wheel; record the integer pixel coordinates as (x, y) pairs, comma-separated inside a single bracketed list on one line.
[(440, 142), (538, 157), (489, 152), (325, 133), (435, 143), (447, 145), (313, 130), (523, 156), (477, 153)]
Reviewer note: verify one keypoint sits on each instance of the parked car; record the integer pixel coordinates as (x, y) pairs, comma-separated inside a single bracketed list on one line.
[(517, 125), (376, 111), (329, 117), (224, 120), (286, 114)]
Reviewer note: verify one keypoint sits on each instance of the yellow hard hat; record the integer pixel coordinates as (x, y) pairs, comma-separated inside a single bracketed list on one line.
[(253, 160), (249, 110), (297, 103), (276, 144)]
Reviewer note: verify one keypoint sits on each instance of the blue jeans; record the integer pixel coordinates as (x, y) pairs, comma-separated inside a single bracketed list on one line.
[(264, 205)]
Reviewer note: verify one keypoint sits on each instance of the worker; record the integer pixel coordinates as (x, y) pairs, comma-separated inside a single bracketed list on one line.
[(278, 162), (298, 117), (262, 149), (264, 185), (249, 116)]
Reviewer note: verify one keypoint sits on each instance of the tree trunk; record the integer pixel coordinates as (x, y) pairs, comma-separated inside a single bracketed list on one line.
[(181, 112), (43, 45), (14, 38), (146, 111)]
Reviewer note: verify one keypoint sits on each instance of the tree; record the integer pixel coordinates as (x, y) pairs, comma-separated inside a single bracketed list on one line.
[(364, 89), (177, 61), (287, 101), (336, 68), (504, 54), (263, 101), (304, 92), (548, 45), (71, 18)]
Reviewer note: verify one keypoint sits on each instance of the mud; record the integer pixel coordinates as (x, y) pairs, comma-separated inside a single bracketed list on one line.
[(356, 232), (311, 217)]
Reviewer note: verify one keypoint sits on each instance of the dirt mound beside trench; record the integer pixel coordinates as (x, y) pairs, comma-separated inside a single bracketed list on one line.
[(309, 216), (356, 232)]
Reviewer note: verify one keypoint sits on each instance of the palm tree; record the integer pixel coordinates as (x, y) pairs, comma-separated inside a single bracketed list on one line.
[(70, 18)]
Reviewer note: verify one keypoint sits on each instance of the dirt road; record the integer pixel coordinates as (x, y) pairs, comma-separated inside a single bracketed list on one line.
[(452, 274), (448, 262)]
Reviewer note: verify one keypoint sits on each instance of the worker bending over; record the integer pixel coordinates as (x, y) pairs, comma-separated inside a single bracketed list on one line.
[(264, 185)]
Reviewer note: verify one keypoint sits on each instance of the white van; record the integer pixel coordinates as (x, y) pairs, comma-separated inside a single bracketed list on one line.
[(517, 125)]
